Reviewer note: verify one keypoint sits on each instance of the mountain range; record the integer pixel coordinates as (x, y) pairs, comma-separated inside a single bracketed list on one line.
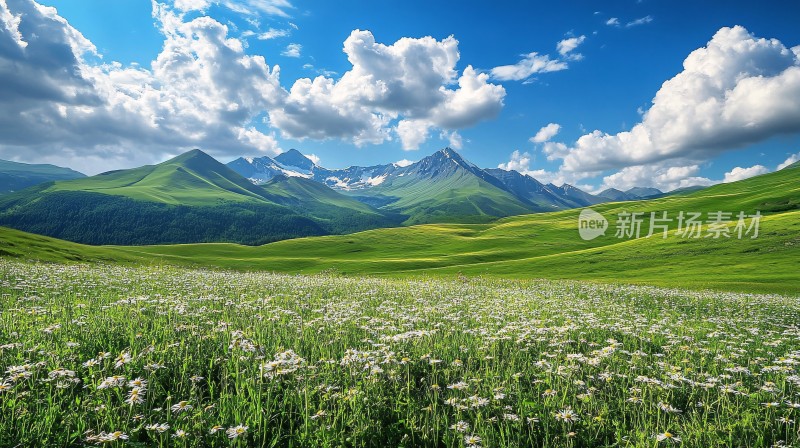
[(194, 198), (443, 187)]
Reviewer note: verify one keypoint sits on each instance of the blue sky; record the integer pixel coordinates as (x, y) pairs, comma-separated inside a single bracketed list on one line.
[(105, 85)]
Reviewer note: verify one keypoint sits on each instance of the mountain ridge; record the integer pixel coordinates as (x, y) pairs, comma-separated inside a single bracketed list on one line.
[(189, 198), (488, 193), (16, 176)]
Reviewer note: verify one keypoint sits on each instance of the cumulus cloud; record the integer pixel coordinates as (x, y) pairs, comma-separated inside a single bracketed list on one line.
[(555, 150), (794, 158), (203, 90), (665, 177), (612, 21), (546, 133), (737, 90), (740, 173), (292, 50), (412, 133), (408, 81), (521, 162), (529, 65)]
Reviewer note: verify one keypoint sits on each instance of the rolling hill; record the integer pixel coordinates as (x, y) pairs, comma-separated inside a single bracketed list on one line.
[(543, 245), (192, 178), (335, 212), (190, 198), (15, 176)]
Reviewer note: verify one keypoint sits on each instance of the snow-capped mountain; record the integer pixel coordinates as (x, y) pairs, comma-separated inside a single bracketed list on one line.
[(443, 174)]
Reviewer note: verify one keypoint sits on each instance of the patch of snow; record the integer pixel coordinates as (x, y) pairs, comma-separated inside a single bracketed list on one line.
[(338, 183), (292, 173), (373, 181)]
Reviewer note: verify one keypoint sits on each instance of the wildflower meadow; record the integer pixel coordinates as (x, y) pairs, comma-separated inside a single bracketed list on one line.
[(161, 356)]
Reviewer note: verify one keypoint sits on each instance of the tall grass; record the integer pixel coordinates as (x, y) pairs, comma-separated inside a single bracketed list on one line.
[(177, 357)]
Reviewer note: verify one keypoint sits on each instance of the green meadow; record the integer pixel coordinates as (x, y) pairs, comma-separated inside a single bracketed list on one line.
[(108, 355), (545, 245)]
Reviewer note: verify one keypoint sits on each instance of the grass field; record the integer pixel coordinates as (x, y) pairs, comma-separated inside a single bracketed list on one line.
[(543, 245), (143, 356)]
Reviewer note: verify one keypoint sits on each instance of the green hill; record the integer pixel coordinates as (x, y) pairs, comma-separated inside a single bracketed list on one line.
[(15, 176), (335, 212), (190, 198), (192, 178), (532, 246), (444, 187)]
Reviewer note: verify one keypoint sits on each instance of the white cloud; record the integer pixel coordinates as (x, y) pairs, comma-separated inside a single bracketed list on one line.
[(567, 46), (662, 176), (529, 65), (412, 133), (792, 159), (670, 176), (736, 90), (740, 173), (255, 7), (454, 139), (555, 150), (292, 50), (546, 133), (273, 33), (640, 21), (203, 90), (520, 161), (57, 107), (612, 21), (409, 81), (11, 23), (404, 162), (313, 157), (473, 101), (533, 63), (192, 5), (248, 7)]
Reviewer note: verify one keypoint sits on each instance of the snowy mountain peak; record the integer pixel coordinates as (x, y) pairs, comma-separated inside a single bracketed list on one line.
[(296, 159)]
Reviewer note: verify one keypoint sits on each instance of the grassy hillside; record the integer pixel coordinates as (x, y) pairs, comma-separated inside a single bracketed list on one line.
[(193, 178), (539, 246), (335, 212), (16, 176), (190, 198), (462, 197), (444, 187)]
